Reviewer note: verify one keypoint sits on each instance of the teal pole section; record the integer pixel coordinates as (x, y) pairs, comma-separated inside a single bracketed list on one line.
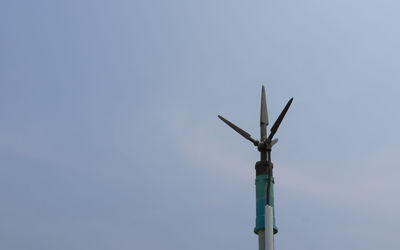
[(261, 190)]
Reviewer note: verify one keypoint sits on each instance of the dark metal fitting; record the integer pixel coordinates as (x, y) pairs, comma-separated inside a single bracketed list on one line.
[(261, 146), (261, 168)]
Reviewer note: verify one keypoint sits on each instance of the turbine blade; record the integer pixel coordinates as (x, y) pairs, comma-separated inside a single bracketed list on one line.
[(237, 129), (279, 120), (264, 112), (274, 141), (263, 115)]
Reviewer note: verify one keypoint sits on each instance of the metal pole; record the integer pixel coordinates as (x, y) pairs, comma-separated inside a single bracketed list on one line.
[(261, 240)]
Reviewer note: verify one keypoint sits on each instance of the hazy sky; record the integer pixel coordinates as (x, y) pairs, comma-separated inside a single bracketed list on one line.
[(109, 136)]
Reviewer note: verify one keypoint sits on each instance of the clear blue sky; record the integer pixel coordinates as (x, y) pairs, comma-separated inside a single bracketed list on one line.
[(109, 137)]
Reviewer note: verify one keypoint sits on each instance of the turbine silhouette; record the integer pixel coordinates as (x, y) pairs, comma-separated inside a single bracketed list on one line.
[(264, 174)]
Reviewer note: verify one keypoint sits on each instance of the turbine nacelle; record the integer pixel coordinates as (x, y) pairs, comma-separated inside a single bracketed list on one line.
[(266, 144)]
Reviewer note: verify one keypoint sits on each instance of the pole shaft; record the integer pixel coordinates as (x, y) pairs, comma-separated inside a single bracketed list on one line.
[(261, 240)]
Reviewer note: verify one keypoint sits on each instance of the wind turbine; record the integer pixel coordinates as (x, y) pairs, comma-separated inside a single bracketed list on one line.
[(265, 215)]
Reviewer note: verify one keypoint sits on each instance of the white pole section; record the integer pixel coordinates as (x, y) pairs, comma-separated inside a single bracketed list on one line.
[(269, 230)]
